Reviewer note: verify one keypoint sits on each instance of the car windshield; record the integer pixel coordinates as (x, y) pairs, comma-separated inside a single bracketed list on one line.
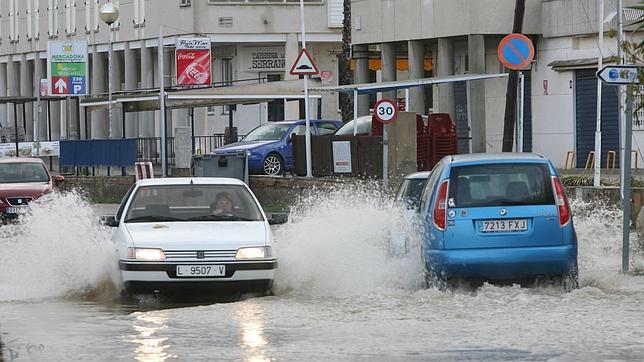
[(18, 172), (410, 191), (167, 203), (364, 127), (502, 184), (268, 132)]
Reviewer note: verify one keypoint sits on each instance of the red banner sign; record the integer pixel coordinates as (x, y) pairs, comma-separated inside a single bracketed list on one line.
[(193, 61)]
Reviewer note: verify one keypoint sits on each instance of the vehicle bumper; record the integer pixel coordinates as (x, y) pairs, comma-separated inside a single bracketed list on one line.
[(240, 276), (502, 263)]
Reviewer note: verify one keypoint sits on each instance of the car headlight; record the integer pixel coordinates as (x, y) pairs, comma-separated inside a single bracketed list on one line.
[(145, 254), (256, 252)]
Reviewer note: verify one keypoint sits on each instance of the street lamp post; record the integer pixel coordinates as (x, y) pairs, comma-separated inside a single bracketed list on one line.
[(109, 14)]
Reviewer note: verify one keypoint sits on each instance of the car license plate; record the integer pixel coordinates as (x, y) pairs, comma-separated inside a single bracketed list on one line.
[(201, 270), (14, 210), (504, 225)]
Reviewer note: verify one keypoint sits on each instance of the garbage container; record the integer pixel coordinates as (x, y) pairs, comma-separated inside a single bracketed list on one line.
[(232, 165)]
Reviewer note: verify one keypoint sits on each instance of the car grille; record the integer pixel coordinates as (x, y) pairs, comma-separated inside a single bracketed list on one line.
[(18, 201), (180, 255)]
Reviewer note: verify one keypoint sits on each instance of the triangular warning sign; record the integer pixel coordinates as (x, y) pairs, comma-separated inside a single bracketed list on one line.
[(304, 64)]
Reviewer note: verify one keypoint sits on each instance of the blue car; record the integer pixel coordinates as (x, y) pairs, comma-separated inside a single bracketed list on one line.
[(270, 145), (497, 217)]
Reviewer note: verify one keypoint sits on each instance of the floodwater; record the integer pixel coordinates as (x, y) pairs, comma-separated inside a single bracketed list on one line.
[(339, 295)]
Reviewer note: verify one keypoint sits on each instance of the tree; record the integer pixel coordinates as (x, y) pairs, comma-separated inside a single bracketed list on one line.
[(344, 64), (511, 93)]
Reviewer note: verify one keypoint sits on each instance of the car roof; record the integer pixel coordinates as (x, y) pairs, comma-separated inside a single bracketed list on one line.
[(302, 120), (20, 160), (418, 175), (499, 156), (189, 181)]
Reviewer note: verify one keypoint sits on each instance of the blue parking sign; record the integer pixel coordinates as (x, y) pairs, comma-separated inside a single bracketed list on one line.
[(78, 85)]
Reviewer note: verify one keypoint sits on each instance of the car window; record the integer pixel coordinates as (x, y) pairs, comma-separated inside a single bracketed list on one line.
[(299, 130), (326, 128), (19, 172), (191, 203), (119, 212), (430, 186), (268, 132), (410, 191), (502, 184), (364, 127)]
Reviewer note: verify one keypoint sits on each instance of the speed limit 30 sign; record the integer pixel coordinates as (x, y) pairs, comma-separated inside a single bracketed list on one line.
[(385, 111)]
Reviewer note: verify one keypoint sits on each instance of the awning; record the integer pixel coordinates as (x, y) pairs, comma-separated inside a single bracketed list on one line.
[(582, 63), (367, 88), (206, 97), (25, 99)]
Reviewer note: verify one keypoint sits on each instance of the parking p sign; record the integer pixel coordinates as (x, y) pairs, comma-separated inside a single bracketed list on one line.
[(385, 111)]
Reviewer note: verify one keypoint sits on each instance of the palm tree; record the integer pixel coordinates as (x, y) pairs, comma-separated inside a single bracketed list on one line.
[(344, 63)]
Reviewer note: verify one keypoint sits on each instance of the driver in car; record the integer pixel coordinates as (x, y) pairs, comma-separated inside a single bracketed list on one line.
[(223, 204)]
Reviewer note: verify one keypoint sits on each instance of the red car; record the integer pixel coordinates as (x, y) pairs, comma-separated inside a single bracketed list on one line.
[(23, 180)]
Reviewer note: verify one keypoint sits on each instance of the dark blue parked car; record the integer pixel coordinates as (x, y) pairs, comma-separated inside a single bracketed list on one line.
[(270, 145), (495, 217)]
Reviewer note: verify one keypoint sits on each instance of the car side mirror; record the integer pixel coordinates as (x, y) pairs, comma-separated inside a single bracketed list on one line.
[(277, 219), (289, 139), (58, 179), (109, 220)]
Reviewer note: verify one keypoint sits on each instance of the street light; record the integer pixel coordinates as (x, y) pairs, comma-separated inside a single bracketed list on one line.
[(109, 14)]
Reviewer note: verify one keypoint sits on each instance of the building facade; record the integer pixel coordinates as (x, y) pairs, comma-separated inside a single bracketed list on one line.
[(459, 37), (252, 41)]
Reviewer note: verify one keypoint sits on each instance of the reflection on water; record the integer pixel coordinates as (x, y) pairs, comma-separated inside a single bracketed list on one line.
[(151, 347), (251, 325)]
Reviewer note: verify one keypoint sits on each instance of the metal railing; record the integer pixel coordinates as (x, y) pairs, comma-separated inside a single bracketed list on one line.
[(148, 149)]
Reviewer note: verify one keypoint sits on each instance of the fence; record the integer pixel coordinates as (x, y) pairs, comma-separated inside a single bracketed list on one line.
[(149, 148)]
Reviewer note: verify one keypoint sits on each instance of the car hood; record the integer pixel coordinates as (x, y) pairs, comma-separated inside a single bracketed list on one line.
[(211, 235), (29, 189), (239, 146)]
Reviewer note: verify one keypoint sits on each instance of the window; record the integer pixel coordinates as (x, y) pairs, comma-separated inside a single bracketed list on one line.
[(326, 128), (185, 3), (295, 2), (70, 17), (139, 13), (52, 16), (13, 20)]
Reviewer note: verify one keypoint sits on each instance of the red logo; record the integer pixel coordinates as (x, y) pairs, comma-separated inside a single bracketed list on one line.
[(193, 67)]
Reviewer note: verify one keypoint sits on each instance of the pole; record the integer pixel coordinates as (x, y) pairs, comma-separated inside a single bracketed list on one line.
[(37, 120), (192, 128), (626, 176), (385, 158), (598, 131), (164, 139), (521, 110), (620, 91), (355, 111), (51, 160), (15, 128), (406, 99), (109, 81), (309, 166)]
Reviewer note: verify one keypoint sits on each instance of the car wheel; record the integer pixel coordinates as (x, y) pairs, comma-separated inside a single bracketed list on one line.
[(570, 281), (273, 165)]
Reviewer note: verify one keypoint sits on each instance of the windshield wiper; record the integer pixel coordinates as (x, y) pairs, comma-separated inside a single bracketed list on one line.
[(153, 218), (219, 218)]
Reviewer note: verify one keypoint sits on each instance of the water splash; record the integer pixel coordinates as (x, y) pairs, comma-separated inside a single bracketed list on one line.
[(57, 250), (338, 242)]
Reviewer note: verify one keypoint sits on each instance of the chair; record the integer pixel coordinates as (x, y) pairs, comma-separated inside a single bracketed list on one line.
[(157, 210), (516, 190)]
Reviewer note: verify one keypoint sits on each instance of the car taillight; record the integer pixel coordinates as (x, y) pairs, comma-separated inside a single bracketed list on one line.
[(562, 202), (440, 206)]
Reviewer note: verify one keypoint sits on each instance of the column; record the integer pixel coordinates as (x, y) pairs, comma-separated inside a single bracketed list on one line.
[(291, 50), (117, 71), (388, 57), (444, 93), (131, 76), (168, 81), (476, 101), (41, 113), (361, 75), (12, 87), (416, 57), (26, 89), (99, 86), (146, 119), (4, 120)]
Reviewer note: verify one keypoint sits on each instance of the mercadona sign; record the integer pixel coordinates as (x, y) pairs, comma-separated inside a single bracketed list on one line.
[(67, 67)]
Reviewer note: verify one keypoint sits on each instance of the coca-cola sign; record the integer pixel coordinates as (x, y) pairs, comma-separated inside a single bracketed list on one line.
[(193, 61)]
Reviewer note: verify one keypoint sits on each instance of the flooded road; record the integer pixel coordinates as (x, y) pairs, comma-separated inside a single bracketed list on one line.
[(339, 296)]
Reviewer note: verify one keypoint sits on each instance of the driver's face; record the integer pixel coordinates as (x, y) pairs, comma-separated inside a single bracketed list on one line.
[(224, 204)]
